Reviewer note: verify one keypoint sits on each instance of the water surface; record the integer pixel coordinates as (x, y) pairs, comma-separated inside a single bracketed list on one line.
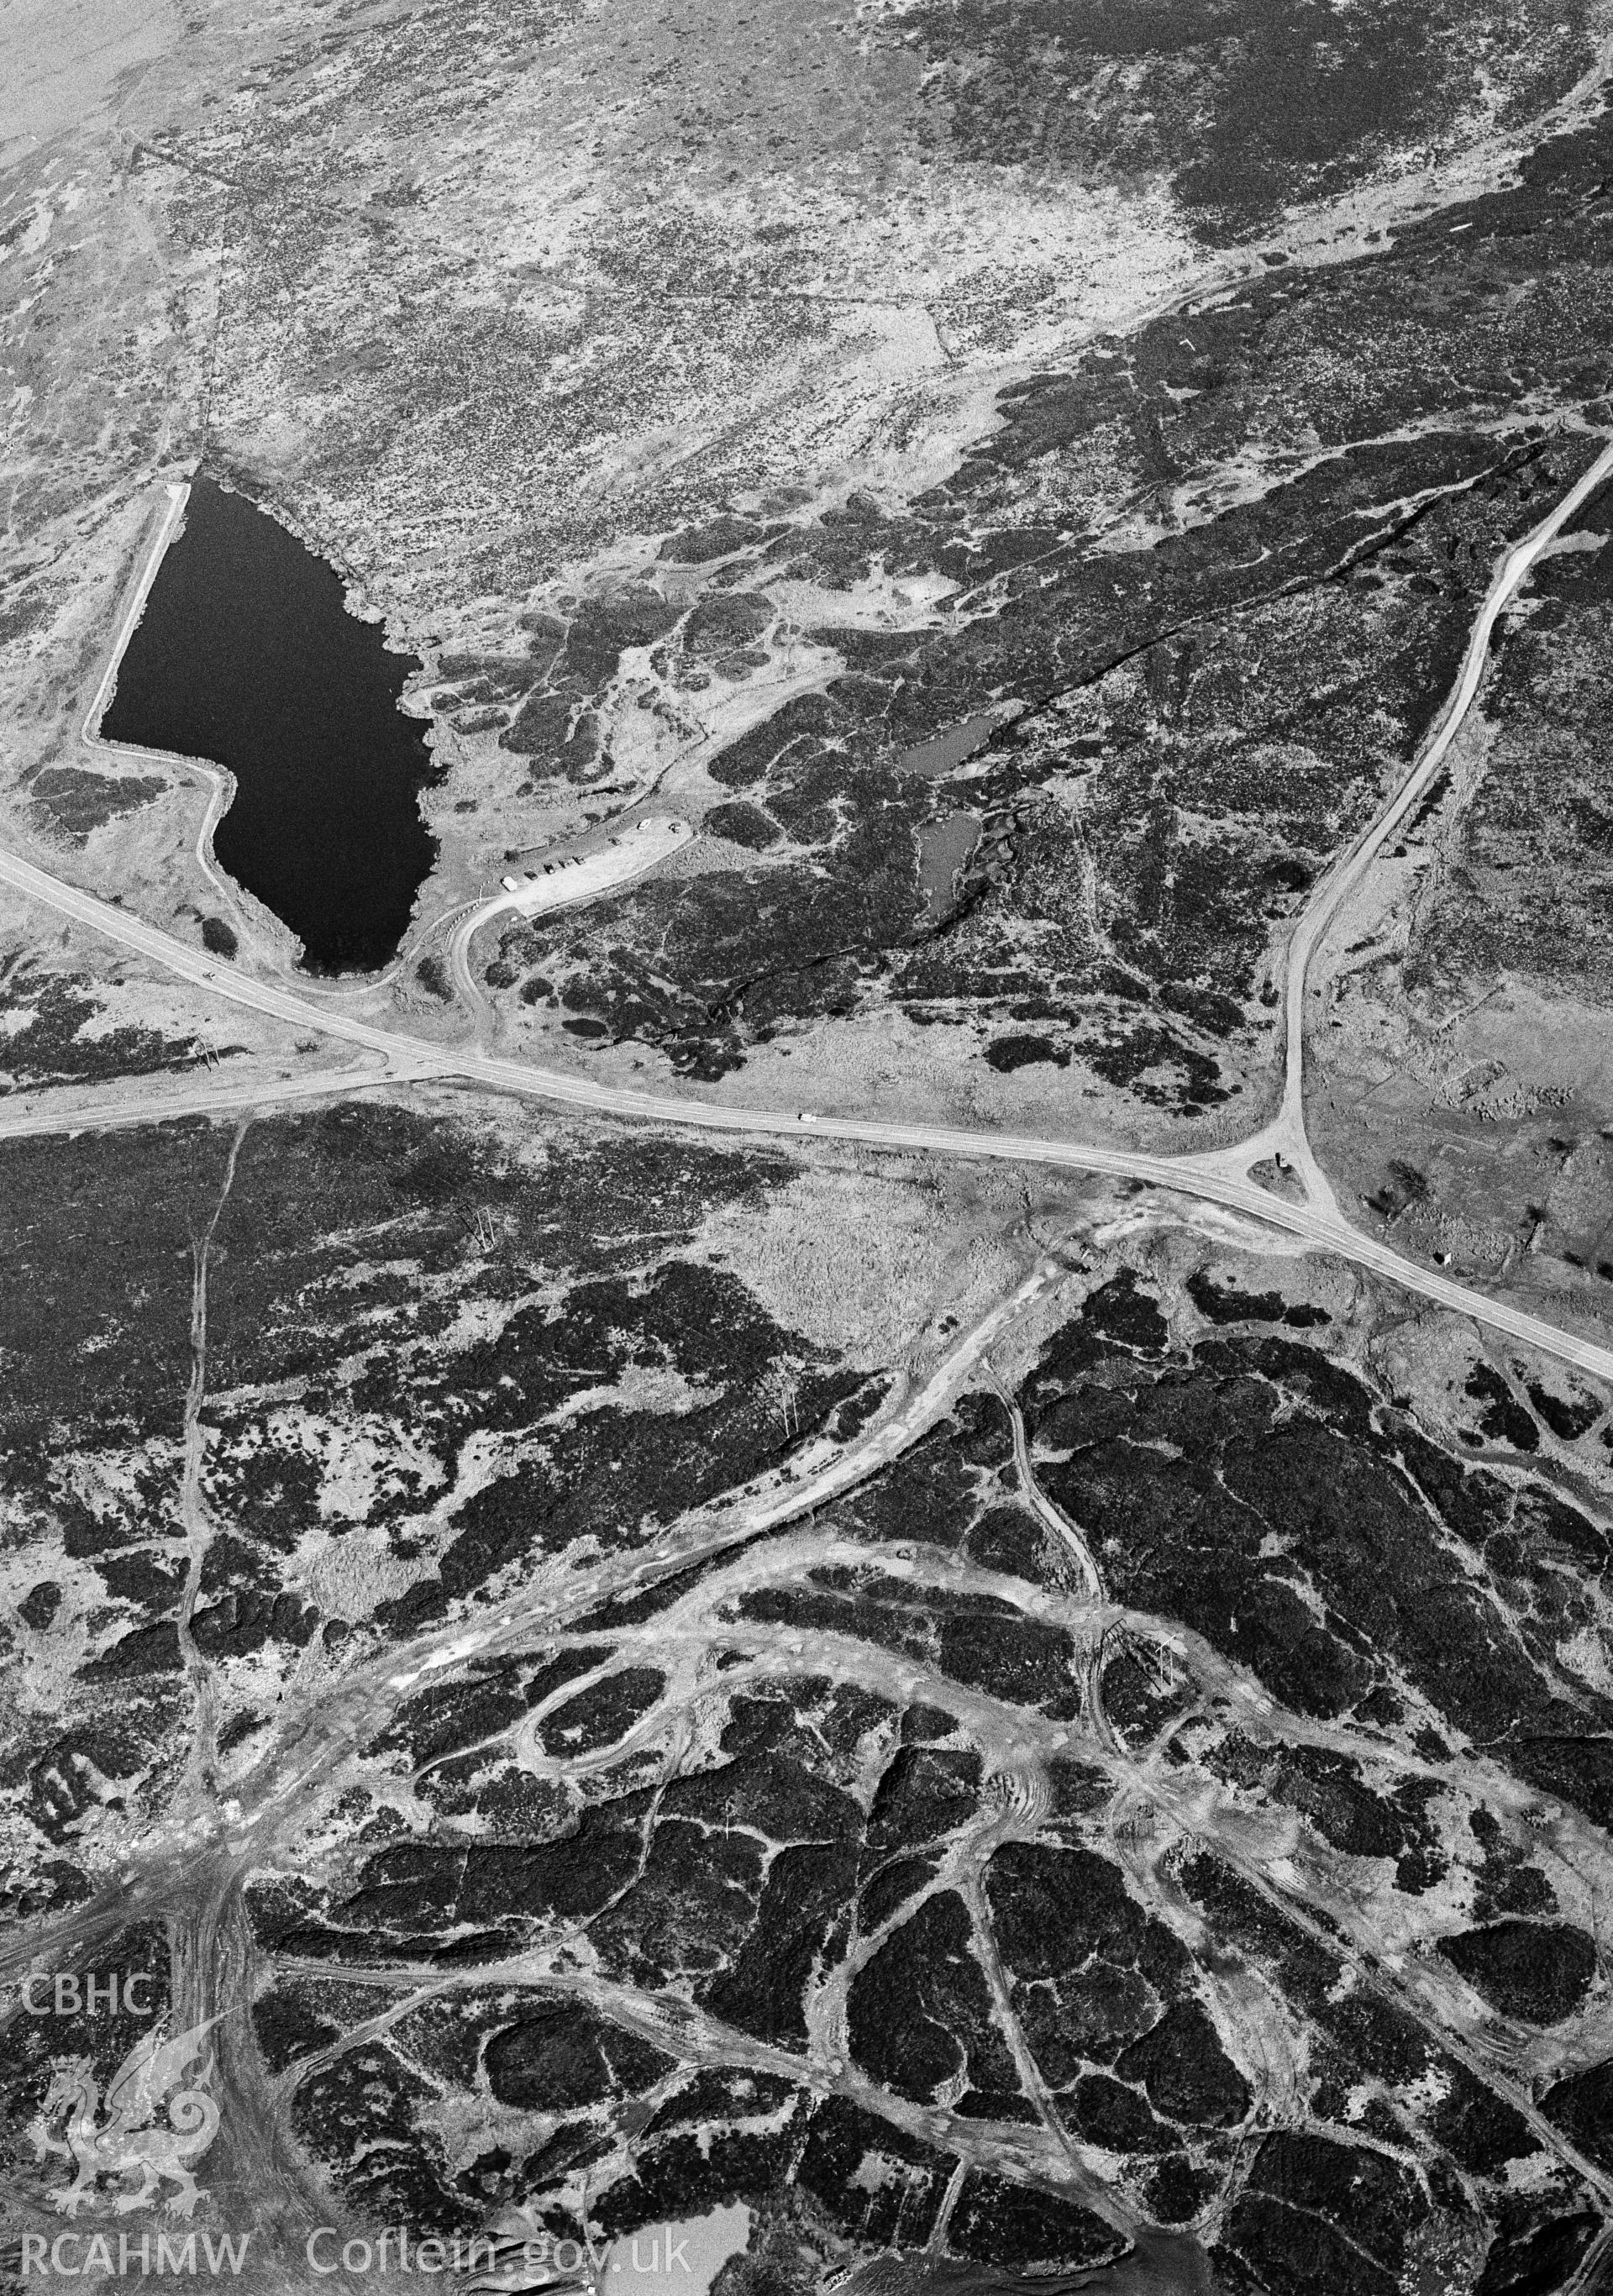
[(247, 656), (944, 850), (943, 753)]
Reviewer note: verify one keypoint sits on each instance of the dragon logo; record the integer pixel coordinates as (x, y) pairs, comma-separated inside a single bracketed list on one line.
[(130, 2141)]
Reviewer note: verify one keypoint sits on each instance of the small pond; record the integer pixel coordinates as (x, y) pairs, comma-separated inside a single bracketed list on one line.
[(943, 753), (944, 850)]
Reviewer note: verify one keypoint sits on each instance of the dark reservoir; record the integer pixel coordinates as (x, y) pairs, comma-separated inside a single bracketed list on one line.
[(246, 655)]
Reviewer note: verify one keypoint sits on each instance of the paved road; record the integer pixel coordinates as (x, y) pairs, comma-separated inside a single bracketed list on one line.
[(1208, 1178), (213, 1094), (1285, 1135), (1219, 1177), (636, 851), (1346, 873)]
